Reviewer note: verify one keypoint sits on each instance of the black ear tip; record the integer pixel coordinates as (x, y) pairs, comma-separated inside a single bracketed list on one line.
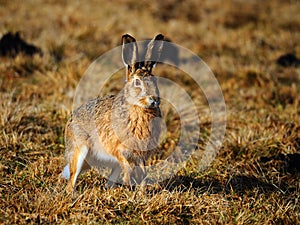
[(126, 35), (159, 37), (128, 38)]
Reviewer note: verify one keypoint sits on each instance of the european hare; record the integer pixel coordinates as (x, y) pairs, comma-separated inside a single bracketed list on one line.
[(119, 131)]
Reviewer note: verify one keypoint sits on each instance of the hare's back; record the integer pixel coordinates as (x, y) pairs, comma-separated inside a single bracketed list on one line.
[(87, 116), (94, 107)]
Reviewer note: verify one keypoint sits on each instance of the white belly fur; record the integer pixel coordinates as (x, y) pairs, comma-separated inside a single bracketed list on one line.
[(98, 156)]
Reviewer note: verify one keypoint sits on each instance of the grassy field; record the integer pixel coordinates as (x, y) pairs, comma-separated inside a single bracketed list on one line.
[(254, 179)]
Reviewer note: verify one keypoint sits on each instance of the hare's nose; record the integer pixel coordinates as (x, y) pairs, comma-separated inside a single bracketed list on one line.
[(155, 101)]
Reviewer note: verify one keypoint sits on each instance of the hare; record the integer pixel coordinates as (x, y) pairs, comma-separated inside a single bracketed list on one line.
[(119, 131)]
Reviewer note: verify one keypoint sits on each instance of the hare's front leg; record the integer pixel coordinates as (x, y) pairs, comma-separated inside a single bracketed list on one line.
[(127, 170), (113, 177), (122, 154), (76, 164), (139, 173)]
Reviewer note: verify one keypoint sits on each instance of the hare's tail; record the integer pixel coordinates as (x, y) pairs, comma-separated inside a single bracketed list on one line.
[(66, 172)]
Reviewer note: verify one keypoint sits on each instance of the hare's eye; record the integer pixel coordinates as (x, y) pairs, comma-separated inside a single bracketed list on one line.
[(137, 82)]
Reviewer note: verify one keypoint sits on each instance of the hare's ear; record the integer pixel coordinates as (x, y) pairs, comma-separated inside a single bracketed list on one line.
[(153, 51), (129, 53)]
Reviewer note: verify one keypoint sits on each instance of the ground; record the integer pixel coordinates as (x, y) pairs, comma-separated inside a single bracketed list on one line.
[(255, 177)]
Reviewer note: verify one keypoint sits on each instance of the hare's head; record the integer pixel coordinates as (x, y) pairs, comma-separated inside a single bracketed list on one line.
[(141, 86)]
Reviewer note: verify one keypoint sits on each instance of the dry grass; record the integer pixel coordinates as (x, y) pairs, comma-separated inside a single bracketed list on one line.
[(248, 183)]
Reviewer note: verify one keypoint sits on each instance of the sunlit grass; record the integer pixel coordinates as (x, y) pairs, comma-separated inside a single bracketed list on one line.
[(239, 41)]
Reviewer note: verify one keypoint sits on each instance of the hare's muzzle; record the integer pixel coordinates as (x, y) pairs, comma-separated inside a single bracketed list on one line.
[(154, 101)]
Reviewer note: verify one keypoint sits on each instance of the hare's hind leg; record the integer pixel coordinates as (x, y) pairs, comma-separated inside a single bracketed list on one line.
[(66, 171), (77, 163)]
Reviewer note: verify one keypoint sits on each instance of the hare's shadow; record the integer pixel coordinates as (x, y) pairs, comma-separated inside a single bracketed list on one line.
[(287, 165), (238, 184)]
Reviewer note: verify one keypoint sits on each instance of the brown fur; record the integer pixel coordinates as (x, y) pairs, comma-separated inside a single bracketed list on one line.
[(121, 128)]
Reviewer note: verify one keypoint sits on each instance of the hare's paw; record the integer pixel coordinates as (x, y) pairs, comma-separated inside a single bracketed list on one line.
[(111, 184)]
